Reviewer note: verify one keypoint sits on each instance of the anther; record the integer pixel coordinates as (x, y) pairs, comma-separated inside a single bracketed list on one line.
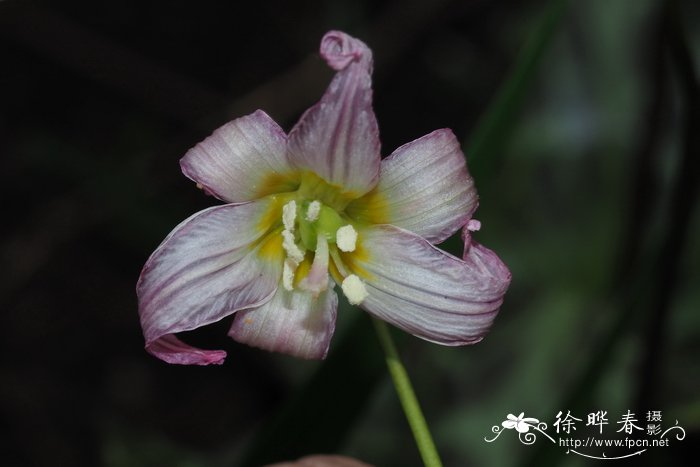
[(354, 289), (293, 251), (313, 211), (289, 215), (288, 274), (346, 238)]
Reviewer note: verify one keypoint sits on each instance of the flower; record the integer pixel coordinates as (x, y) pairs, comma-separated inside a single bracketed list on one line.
[(522, 425), (312, 209)]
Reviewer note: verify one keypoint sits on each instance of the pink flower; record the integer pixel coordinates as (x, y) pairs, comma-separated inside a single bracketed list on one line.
[(319, 208)]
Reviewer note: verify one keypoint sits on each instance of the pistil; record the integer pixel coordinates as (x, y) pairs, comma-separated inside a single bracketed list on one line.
[(317, 279)]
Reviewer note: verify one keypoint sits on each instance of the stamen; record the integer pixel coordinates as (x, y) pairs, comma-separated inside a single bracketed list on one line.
[(293, 251), (313, 211), (338, 261), (289, 215), (354, 289), (317, 279), (288, 274), (346, 238)]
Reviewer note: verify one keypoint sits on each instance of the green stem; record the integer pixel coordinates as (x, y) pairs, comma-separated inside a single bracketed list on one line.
[(407, 396)]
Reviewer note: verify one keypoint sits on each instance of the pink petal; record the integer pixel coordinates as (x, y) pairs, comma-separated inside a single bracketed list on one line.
[(202, 272), (423, 187), (291, 322), (338, 138), (172, 350), (243, 160), (427, 292)]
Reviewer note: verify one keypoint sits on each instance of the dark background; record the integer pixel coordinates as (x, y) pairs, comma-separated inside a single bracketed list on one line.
[(580, 124)]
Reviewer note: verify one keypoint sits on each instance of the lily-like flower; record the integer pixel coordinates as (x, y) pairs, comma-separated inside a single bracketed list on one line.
[(313, 209), (521, 423)]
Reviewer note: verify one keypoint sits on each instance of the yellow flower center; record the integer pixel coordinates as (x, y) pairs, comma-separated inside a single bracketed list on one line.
[(310, 232)]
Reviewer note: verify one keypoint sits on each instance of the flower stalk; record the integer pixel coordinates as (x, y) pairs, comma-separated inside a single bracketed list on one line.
[(407, 397)]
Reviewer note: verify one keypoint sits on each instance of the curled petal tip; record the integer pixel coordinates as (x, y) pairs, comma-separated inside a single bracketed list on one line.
[(338, 138), (473, 225), (172, 350), (339, 50)]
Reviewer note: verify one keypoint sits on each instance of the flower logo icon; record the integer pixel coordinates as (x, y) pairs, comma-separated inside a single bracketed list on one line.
[(520, 423)]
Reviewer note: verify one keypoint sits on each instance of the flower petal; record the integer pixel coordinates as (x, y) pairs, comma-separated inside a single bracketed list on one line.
[(423, 187), (425, 291), (338, 138), (243, 160), (172, 350), (203, 271), (291, 322), (522, 427)]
